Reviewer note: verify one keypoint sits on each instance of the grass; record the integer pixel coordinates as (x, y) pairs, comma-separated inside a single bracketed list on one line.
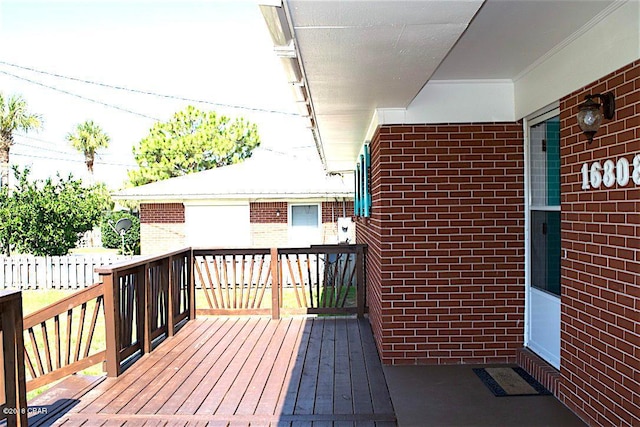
[(34, 300)]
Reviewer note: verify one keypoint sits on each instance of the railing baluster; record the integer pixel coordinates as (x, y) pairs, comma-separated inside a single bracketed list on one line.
[(217, 271), (56, 322), (349, 284), (68, 337), (83, 312), (250, 282), (29, 364), (318, 280), (308, 262), (263, 288), (325, 279), (302, 287), (171, 296), (241, 305), (234, 283), (45, 341), (334, 284), (202, 282), (92, 327), (260, 285), (36, 352), (225, 275), (293, 281)]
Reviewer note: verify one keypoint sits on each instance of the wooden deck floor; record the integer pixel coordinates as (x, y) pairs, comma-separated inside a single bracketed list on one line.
[(231, 371)]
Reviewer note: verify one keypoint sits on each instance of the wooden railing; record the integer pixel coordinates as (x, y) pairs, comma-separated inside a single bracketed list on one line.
[(219, 273), (13, 394), (146, 300), (59, 339), (326, 279), (141, 302)]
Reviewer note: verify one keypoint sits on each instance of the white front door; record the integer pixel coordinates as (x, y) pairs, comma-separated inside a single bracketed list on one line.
[(217, 226), (543, 249)]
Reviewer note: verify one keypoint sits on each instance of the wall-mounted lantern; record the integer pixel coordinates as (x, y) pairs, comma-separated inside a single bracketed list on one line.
[(592, 114)]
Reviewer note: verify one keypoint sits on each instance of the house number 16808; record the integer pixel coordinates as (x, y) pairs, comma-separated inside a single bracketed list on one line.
[(611, 173)]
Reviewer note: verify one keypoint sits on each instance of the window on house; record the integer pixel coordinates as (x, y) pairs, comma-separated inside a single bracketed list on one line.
[(304, 225), (362, 197)]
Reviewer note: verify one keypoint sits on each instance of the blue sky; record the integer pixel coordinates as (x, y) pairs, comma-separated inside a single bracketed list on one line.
[(215, 51)]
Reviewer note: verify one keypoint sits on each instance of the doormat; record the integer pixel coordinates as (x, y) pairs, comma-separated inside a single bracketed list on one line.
[(508, 381)]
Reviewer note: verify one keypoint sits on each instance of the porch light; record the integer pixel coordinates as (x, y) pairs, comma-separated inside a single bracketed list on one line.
[(590, 116)]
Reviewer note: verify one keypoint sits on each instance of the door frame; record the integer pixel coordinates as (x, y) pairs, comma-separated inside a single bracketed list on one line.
[(539, 116)]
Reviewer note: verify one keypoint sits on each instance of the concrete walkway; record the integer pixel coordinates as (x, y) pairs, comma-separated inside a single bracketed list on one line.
[(452, 396)]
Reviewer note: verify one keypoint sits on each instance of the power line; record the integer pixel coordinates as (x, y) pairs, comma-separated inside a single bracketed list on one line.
[(144, 92), (65, 152), (126, 110), (98, 162)]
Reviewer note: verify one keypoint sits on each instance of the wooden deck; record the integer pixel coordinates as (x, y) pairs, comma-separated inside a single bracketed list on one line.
[(235, 371)]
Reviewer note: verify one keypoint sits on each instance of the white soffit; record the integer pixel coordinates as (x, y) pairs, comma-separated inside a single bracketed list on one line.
[(375, 62), (362, 55)]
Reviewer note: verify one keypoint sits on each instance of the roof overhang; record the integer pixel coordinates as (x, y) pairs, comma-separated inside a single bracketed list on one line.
[(354, 65)]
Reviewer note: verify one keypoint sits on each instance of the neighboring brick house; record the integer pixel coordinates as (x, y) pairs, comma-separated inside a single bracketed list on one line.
[(268, 200), (496, 232)]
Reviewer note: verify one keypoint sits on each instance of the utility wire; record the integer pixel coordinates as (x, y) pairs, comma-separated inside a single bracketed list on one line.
[(126, 110), (144, 92), (98, 162), (19, 144)]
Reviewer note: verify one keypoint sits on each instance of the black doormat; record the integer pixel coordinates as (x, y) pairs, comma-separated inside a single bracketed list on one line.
[(508, 381)]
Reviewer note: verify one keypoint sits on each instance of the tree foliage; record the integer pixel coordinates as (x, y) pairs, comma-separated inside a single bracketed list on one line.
[(112, 240), (13, 116), (192, 141), (47, 217), (88, 138)]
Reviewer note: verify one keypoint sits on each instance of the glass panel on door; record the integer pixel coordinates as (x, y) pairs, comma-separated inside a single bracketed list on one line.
[(544, 231)]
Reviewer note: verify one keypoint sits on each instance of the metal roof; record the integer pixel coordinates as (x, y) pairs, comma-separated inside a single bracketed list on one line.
[(265, 175)]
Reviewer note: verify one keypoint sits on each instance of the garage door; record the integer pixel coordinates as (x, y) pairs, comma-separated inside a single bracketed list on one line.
[(217, 226)]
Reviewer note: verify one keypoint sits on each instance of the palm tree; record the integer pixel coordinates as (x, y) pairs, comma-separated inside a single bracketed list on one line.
[(87, 139), (13, 116)]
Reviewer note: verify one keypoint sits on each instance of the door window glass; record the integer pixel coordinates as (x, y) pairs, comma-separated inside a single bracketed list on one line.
[(544, 155)]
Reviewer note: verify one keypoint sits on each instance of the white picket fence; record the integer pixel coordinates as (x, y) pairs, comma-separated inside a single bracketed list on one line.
[(55, 272)]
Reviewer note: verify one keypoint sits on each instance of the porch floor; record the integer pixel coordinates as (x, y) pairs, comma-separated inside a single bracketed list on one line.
[(244, 371), (452, 395)]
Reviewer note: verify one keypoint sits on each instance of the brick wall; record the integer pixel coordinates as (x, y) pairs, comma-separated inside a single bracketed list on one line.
[(601, 269), (269, 229), (162, 213), (268, 213), (331, 211), (445, 266), (161, 227), (156, 238), (269, 235)]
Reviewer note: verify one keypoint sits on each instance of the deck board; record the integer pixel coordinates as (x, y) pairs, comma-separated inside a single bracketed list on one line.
[(232, 371)]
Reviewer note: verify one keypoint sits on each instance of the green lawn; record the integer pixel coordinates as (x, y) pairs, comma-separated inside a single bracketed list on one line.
[(33, 300)]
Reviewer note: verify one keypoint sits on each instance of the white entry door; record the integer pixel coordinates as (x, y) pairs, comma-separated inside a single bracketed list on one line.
[(543, 238), (217, 226)]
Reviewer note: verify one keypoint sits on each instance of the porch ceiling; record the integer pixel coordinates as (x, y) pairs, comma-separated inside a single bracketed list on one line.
[(358, 56)]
